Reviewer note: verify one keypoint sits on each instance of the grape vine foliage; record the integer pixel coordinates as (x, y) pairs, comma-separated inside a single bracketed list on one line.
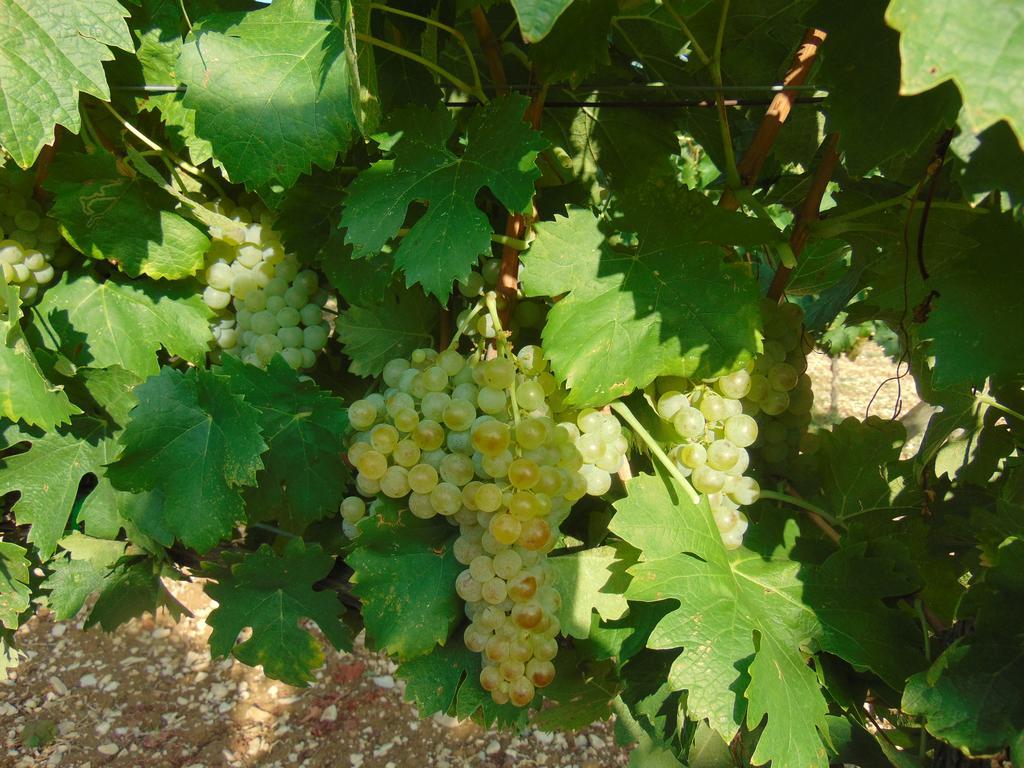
[(486, 330)]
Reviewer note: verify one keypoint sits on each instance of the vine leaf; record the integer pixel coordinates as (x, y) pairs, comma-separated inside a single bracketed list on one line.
[(15, 595), (624, 321), (861, 65), (25, 393), (976, 48), (197, 443), (272, 593), (584, 575), (127, 221), (971, 696), (447, 680), (726, 600), (537, 17), (75, 578), (133, 587), (49, 54), (304, 476), (577, 45), (119, 322), (48, 475), (372, 335), (404, 575), (445, 242), (271, 90)]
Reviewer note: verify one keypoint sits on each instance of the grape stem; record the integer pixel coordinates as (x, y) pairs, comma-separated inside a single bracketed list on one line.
[(732, 174), (491, 299), (627, 415), (464, 325), (462, 85), (435, 23), (819, 516), (991, 401)]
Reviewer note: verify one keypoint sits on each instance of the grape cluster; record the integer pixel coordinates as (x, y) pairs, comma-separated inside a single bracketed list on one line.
[(473, 441), (780, 393), (267, 305), (29, 239), (714, 434)]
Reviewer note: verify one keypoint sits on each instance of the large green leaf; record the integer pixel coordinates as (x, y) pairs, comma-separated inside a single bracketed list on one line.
[(741, 623), (537, 17), (25, 393), (625, 322), (14, 590), (49, 54), (447, 680), (125, 220), (978, 47), (272, 593), (583, 579), (82, 573), (972, 695), (270, 90), (578, 43), (197, 444), (443, 244), (372, 335), (861, 64), (48, 475), (119, 322), (304, 476), (404, 574)]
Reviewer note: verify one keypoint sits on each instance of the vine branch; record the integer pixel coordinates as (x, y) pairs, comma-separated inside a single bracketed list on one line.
[(778, 112), (808, 212)]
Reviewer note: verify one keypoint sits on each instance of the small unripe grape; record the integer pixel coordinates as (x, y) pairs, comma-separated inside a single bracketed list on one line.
[(693, 455), (490, 677), (362, 414), (491, 437), (429, 435), (420, 506), (459, 415), (406, 419), (287, 317), (214, 298), (722, 454), (467, 587), (275, 304), (507, 564), (598, 482), (689, 422), (395, 483), (433, 404), (713, 407), (311, 314), (534, 534), (491, 400), (782, 377), (367, 486), (735, 385), (488, 497), (290, 337), (499, 373), (707, 480), (531, 433), (456, 469), (544, 648), (530, 396), (372, 464), (775, 402), (315, 337), (353, 509), (497, 466), (446, 498), (741, 430), (263, 322), (384, 438), (505, 528), (406, 453), (670, 403), (494, 591), (267, 346), (527, 615), (744, 490), (522, 588), (540, 673), (393, 370), (523, 474), (475, 639)]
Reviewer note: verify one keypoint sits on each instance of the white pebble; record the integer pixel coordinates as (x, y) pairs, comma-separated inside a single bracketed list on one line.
[(384, 681), (108, 749), (87, 681), (330, 714)]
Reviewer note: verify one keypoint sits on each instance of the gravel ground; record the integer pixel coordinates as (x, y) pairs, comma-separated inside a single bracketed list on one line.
[(151, 696)]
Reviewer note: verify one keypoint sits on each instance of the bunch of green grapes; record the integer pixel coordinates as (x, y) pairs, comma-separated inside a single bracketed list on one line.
[(473, 441), (711, 450), (780, 395), (267, 304), (602, 447), (29, 240)]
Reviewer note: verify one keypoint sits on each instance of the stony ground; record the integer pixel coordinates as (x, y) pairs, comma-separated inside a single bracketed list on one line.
[(150, 696)]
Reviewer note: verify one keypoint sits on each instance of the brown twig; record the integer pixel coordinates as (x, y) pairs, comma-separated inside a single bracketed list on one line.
[(492, 51), (43, 169), (808, 211), (781, 105)]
